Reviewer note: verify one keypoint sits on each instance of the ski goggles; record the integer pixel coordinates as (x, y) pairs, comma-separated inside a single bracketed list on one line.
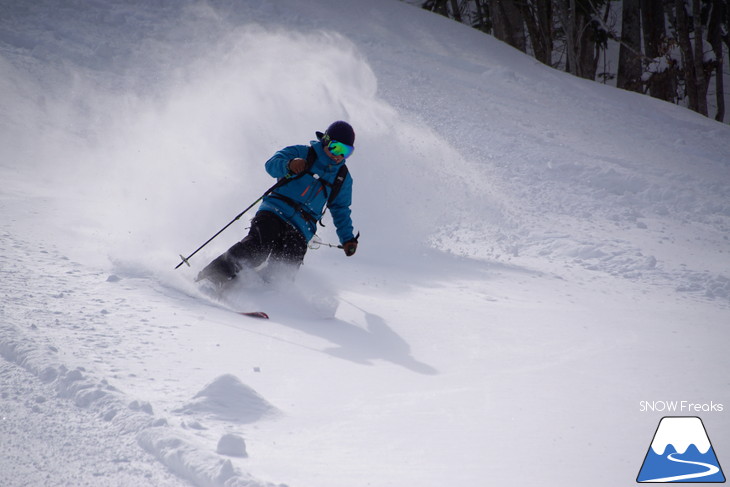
[(340, 149)]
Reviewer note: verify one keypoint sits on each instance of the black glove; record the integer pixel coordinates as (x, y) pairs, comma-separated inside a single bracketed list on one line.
[(350, 247)]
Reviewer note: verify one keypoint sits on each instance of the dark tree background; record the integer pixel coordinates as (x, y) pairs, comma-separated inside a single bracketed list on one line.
[(674, 50)]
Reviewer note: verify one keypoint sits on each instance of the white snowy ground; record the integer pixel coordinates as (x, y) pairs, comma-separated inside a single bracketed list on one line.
[(539, 254)]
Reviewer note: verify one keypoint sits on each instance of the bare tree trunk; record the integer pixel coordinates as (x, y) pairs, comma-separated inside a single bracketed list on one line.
[(483, 21), (685, 46), (538, 18), (508, 23), (589, 47), (629, 64), (580, 40), (456, 10), (714, 35), (438, 6), (654, 29), (545, 29), (699, 59), (566, 9), (725, 19)]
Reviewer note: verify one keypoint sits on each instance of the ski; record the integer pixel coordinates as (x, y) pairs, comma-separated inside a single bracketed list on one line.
[(213, 296), (254, 314)]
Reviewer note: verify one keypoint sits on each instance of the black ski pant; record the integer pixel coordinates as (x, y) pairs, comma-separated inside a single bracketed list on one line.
[(270, 238)]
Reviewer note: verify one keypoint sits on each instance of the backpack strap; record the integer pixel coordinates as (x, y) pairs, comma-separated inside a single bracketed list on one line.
[(337, 183), (311, 157), (335, 188)]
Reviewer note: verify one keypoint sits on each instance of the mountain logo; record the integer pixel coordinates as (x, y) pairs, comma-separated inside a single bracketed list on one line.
[(680, 452)]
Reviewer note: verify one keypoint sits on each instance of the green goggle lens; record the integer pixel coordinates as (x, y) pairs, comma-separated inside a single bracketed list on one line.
[(340, 149)]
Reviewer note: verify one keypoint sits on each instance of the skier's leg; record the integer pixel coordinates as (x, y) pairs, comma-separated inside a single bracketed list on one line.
[(251, 252), (287, 254)]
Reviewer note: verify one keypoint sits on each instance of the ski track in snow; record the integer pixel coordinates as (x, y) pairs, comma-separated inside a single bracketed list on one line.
[(36, 421), (110, 425)]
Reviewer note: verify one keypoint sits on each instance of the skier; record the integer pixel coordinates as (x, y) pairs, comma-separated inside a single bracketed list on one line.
[(316, 179)]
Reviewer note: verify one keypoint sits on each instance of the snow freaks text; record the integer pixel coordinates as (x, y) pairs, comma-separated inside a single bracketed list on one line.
[(682, 407)]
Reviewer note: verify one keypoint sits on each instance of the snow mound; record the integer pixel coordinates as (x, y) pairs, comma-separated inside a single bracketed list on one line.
[(173, 448), (228, 399), (232, 445), (187, 461)]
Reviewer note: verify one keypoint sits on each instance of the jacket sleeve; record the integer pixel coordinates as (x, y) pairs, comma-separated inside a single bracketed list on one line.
[(340, 210), (277, 166)]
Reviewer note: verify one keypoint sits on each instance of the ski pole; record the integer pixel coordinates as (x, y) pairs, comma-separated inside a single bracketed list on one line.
[(185, 259), (276, 186), (317, 243)]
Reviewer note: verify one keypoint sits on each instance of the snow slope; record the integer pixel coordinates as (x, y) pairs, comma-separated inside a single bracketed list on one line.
[(538, 255)]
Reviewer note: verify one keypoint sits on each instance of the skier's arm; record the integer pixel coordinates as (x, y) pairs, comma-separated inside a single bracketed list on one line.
[(340, 210), (278, 165)]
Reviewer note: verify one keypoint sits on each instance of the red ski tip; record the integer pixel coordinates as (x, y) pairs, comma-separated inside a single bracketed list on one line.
[(255, 314)]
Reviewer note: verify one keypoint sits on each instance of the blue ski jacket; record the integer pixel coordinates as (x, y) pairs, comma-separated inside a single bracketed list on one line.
[(305, 197)]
